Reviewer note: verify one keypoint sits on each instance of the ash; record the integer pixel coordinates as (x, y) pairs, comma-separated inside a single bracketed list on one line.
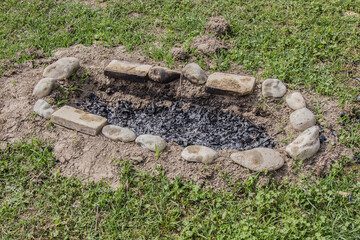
[(192, 126)]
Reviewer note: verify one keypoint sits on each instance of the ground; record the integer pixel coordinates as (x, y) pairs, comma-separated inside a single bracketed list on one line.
[(91, 158), (312, 47)]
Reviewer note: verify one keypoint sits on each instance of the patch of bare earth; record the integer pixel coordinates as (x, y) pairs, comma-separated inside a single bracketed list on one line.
[(90, 158)]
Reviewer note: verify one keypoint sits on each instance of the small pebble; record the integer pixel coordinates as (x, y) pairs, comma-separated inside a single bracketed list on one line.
[(200, 154), (305, 145), (259, 159), (302, 119), (163, 75), (43, 109), (151, 142), (118, 133), (194, 73), (273, 88), (295, 101), (62, 68), (44, 87)]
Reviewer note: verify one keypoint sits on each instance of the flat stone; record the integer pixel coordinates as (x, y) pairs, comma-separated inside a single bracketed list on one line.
[(295, 101), (224, 83), (273, 88), (259, 159), (194, 73), (305, 145), (43, 109), (200, 154), (149, 141), (163, 74), (78, 120), (118, 133), (62, 68), (44, 87), (127, 70), (302, 119)]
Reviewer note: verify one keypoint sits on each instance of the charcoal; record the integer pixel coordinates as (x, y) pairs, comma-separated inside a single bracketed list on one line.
[(194, 125)]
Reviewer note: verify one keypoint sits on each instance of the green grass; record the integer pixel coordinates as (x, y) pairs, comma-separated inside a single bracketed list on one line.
[(314, 44), (36, 202), (309, 43), (301, 42)]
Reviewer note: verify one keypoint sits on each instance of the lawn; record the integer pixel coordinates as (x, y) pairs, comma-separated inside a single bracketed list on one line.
[(37, 203), (310, 44)]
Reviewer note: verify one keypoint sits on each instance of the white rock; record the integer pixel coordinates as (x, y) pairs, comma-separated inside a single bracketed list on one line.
[(62, 68), (273, 88), (259, 159), (194, 73), (305, 145), (295, 101), (302, 119), (199, 154), (127, 70), (150, 141), (44, 87), (78, 120), (42, 108), (118, 133), (223, 83)]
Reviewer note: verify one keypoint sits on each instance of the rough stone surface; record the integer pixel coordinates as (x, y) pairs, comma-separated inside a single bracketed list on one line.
[(302, 119), (197, 153), (223, 83), (295, 101), (178, 53), (305, 145), (44, 87), (118, 133), (127, 70), (42, 108), (150, 141), (273, 88), (78, 120), (194, 73), (163, 75), (259, 159), (62, 68)]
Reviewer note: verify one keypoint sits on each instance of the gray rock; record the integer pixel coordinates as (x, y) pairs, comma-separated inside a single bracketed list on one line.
[(194, 73), (62, 68), (295, 101), (200, 154), (302, 119), (42, 108), (273, 88), (259, 159), (305, 145), (118, 133), (224, 83), (150, 141), (127, 70), (44, 87), (163, 75)]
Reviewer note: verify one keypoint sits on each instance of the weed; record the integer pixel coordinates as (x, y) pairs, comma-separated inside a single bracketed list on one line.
[(157, 152)]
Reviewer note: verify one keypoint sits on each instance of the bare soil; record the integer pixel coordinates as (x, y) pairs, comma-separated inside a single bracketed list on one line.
[(90, 158)]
